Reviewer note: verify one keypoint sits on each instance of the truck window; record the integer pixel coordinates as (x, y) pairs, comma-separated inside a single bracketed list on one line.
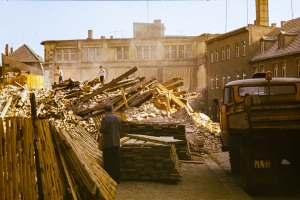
[(228, 95), (263, 90)]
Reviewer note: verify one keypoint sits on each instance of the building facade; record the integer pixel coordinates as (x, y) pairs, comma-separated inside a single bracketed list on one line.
[(161, 57), (280, 54), (228, 59)]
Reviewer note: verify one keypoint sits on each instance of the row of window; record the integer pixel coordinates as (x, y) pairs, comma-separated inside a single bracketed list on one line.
[(90, 54), (214, 80), (225, 52), (278, 69)]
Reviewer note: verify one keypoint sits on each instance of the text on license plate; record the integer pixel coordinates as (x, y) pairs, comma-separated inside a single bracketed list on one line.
[(262, 164)]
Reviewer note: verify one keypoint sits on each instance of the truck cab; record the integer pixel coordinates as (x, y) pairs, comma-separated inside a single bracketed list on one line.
[(260, 126)]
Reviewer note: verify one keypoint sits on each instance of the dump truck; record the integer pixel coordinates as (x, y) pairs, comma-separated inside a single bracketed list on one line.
[(260, 127)]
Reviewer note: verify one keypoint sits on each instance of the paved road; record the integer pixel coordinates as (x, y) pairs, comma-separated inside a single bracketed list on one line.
[(202, 179)]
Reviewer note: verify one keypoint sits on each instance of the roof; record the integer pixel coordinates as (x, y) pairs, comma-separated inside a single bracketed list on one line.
[(26, 54), (263, 81), (228, 34), (291, 28)]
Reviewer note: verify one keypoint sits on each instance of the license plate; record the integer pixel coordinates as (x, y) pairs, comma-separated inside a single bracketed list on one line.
[(262, 164)]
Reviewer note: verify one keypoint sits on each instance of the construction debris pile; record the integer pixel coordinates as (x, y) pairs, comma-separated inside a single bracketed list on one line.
[(73, 105)]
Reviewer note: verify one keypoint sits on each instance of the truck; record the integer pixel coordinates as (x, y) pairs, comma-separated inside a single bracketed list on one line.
[(260, 127)]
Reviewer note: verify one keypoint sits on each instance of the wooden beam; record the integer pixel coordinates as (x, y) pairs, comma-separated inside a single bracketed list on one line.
[(5, 109), (159, 140)]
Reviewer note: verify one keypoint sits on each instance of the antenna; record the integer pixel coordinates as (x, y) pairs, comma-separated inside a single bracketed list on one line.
[(247, 12), (226, 18), (292, 9)]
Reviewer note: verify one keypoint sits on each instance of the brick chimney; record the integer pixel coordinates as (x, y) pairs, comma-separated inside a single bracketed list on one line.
[(262, 13), (90, 34), (6, 49)]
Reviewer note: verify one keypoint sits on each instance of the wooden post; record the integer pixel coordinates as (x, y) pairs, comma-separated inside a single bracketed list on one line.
[(35, 138)]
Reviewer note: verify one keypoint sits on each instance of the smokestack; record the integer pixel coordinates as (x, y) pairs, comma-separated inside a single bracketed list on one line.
[(90, 34), (273, 25), (6, 49), (262, 13), (11, 50)]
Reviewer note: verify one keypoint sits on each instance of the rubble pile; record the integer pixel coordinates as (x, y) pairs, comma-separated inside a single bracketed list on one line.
[(73, 103)]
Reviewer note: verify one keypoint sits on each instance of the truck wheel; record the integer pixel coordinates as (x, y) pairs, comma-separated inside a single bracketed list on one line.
[(247, 170), (235, 157)]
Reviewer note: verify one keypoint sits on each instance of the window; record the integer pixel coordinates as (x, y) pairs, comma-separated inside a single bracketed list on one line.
[(223, 53), (181, 51), (264, 90), (255, 69), (153, 52), (139, 53), (189, 51), (262, 68), (244, 48), (211, 57), (298, 64), (217, 82), (244, 74), (167, 52), (283, 69), (275, 70), (66, 54), (212, 82), (237, 75), (122, 53), (176, 51), (228, 52), (262, 47), (173, 51), (228, 95), (146, 52), (216, 55), (90, 54), (223, 81), (228, 78), (237, 50)]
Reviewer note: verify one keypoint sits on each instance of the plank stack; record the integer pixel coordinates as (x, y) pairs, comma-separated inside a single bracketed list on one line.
[(174, 130), (148, 158)]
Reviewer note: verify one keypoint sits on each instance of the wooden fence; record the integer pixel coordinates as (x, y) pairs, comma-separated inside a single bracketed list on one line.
[(41, 161)]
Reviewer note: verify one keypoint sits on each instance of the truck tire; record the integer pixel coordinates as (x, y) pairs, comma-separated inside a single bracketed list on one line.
[(247, 170), (235, 159)]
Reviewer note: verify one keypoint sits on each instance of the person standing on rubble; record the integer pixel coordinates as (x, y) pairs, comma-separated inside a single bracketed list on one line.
[(110, 129), (59, 74), (102, 74)]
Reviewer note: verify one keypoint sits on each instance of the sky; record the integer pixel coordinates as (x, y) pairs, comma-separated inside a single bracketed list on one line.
[(31, 22)]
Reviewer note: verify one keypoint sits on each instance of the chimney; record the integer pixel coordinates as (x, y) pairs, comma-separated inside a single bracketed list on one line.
[(111, 37), (262, 13), (273, 25), (282, 23), (102, 37), (11, 50), (6, 49), (90, 34)]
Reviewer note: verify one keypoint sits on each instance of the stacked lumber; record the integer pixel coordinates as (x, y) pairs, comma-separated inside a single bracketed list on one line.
[(158, 129), (148, 158), (82, 162)]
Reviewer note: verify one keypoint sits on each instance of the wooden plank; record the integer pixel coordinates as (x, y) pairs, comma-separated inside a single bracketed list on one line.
[(15, 184), (5, 109), (160, 140), (124, 97), (109, 85), (2, 173), (176, 101)]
